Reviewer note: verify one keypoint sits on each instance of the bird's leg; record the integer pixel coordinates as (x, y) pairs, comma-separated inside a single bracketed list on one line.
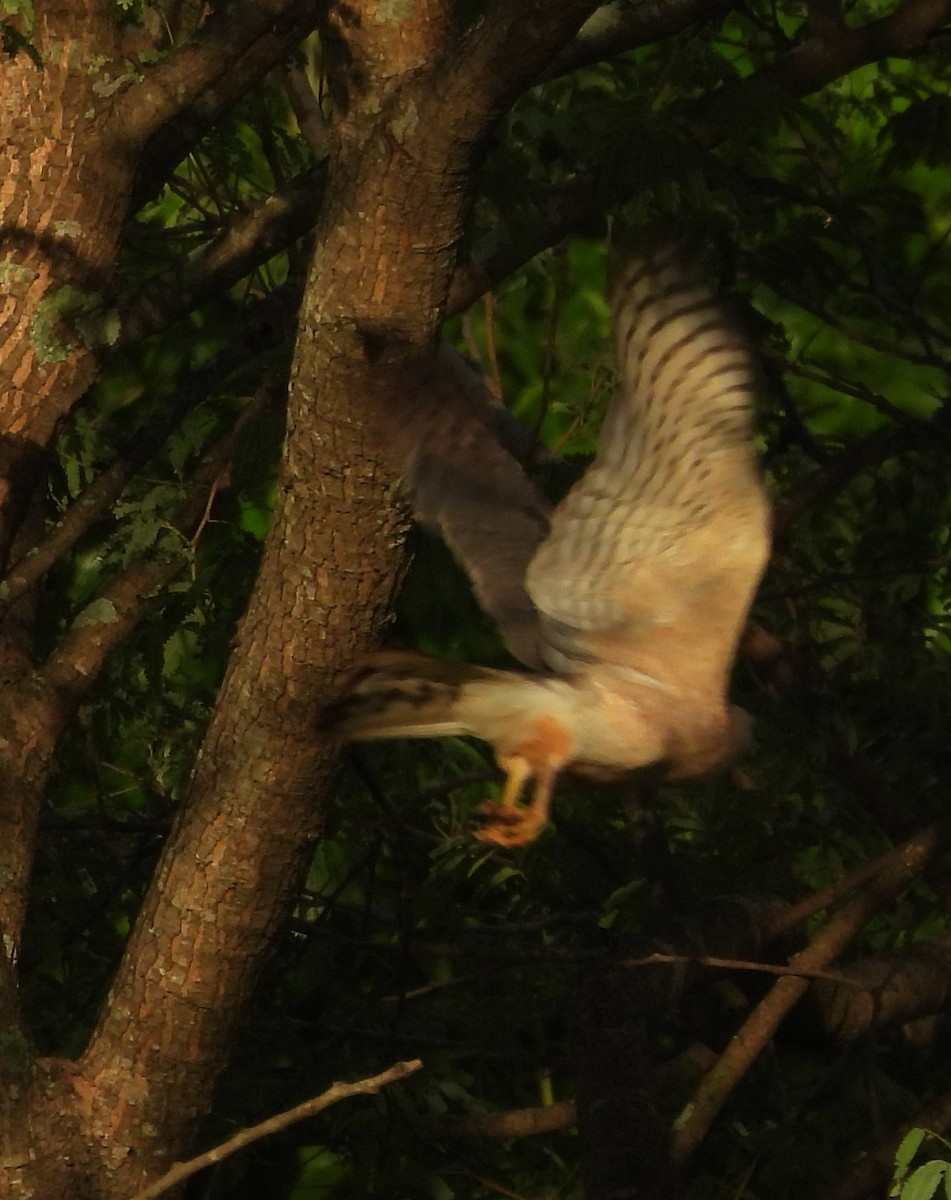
[(504, 815), (507, 824)]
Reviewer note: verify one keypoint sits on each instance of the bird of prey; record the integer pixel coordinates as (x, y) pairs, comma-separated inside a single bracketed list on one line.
[(628, 605)]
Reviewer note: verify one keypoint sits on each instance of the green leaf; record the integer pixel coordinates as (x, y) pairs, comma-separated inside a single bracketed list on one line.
[(910, 1144), (924, 1183)]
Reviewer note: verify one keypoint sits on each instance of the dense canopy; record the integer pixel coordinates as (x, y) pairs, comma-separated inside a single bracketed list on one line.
[(233, 235)]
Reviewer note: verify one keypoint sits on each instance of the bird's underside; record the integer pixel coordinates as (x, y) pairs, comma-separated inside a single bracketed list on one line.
[(600, 724), (634, 601)]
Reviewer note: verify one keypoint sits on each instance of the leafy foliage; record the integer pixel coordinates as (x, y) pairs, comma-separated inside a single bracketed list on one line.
[(824, 221), (930, 1179)]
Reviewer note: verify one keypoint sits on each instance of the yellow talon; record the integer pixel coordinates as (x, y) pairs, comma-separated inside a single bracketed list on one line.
[(506, 822)]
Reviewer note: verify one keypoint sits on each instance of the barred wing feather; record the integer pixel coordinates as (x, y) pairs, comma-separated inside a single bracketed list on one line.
[(656, 552)]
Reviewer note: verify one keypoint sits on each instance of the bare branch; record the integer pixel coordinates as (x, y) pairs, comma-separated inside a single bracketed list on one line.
[(902, 868), (262, 329), (739, 964), (827, 897), (615, 28), (204, 59), (182, 96), (519, 1122), (249, 240), (510, 48), (300, 1112), (310, 118), (117, 609), (887, 988), (810, 67)]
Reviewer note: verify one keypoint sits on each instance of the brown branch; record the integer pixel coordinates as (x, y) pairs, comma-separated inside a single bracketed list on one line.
[(741, 964), (830, 478), (887, 989), (869, 1175), (300, 1112), (307, 111), (616, 28), (810, 67), (103, 623), (205, 60), (897, 873), (262, 329), (797, 73), (508, 49), (519, 1122), (829, 896), (248, 241), (182, 97), (107, 619), (292, 211)]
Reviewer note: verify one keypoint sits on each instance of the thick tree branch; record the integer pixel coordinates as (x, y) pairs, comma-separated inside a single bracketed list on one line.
[(902, 868), (243, 839), (506, 52), (203, 61), (184, 95), (887, 988), (291, 212), (616, 28), (812, 66), (789, 918), (246, 243), (294, 208)]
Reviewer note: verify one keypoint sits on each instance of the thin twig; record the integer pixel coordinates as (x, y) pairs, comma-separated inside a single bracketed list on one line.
[(300, 1112), (741, 964)]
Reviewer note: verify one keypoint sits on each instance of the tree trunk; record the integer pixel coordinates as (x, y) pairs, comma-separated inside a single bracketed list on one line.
[(410, 120)]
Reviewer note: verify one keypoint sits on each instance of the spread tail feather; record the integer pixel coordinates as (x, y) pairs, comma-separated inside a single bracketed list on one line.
[(396, 693)]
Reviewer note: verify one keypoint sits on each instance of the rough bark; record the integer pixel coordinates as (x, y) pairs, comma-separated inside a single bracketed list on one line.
[(376, 292), (63, 195), (414, 100), (69, 153)]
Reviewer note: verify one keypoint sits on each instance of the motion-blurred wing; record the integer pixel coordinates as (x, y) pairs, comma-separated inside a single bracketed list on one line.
[(455, 447), (654, 556)]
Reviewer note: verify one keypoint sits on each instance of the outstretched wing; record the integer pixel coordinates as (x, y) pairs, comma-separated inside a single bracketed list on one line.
[(456, 449), (654, 556)]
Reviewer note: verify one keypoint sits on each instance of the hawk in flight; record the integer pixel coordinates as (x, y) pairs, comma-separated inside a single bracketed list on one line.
[(628, 602)]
